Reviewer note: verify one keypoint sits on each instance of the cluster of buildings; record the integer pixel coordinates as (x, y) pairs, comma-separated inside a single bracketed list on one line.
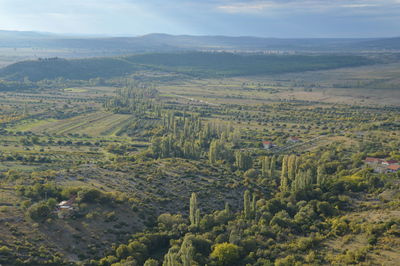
[(382, 165)]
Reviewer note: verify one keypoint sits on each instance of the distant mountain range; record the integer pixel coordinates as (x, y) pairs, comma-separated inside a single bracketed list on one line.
[(20, 35), (203, 56), (170, 43)]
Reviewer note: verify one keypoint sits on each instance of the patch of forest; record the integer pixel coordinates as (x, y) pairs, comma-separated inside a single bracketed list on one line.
[(197, 64)]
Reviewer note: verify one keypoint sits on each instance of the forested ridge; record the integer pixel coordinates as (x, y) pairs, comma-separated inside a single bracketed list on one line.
[(194, 64)]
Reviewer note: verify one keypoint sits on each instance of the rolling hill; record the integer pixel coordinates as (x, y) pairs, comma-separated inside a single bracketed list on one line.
[(168, 43), (387, 43)]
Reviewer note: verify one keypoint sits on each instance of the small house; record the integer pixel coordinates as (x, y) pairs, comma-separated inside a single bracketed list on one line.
[(393, 168), (373, 161), (389, 162), (267, 145), (381, 169), (293, 140), (65, 208)]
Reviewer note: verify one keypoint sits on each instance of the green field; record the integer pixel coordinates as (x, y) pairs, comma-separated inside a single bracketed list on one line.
[(94, 124)]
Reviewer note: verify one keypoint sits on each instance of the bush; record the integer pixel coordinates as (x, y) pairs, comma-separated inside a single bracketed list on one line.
[(122, 251), (90, 195), (151, 262), (226, 254), (325, 208), (168, 221), (39, 211), (4, 250), (289, 260), (372, 240)]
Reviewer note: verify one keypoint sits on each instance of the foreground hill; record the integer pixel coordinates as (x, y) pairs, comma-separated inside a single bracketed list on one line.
[(127, 201), (190, 63)]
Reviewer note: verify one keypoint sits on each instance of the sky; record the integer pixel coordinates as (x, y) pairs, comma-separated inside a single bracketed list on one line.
[(263, 18)]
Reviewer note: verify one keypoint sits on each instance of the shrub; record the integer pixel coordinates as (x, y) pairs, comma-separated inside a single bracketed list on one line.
[(39, 211), (4, 250), (122, 251), (226, 254), (151, 262), (325, 208), (289, 260), (89, 195), (168, 221)]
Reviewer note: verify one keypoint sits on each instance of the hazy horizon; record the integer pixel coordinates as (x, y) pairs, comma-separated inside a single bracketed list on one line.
[(93, 35)]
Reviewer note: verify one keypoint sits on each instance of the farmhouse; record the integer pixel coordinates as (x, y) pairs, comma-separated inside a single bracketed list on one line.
[(267, 145), (372, 160), (389, 162), (293, 140), (393, 168), (65, 208)]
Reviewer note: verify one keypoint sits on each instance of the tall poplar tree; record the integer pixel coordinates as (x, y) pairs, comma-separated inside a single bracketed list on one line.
[(247, 204), (265, 166), (273, 166), (171, 258), (187, 251), (291, 166), (321, 175), (213, 152), (194, 212), (284, 175)]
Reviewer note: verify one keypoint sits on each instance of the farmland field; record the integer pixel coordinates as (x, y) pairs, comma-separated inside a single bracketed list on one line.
[(93, 124)]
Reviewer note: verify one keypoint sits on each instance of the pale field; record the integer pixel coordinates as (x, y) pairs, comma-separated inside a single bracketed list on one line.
[(316, 86)]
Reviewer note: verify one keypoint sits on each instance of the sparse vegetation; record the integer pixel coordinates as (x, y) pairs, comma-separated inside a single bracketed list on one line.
[(174, 172)]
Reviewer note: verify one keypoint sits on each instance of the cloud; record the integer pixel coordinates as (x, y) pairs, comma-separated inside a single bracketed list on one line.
[(247, 7), (277, 18), (112, 17), (358, 5), (292, 6)]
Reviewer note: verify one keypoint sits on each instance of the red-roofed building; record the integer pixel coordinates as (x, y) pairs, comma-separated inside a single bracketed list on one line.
[(389, 162), (393, 168), (372, 160), (293, 139), (267, 144)]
